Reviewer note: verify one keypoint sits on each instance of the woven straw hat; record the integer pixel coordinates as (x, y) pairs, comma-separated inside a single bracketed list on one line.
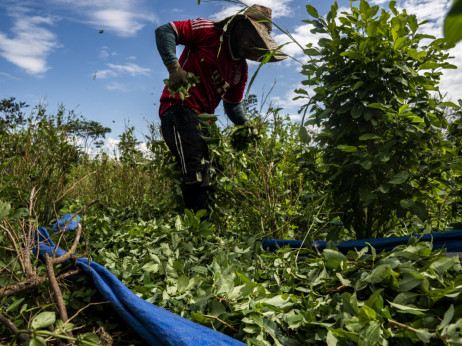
[(260, 18)]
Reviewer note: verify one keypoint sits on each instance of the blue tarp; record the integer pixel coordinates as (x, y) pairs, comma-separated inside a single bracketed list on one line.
[(451, 241), (158, 326), (155, 325)]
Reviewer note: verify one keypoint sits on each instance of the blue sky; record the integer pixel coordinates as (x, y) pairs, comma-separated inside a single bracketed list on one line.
[(51, 52)]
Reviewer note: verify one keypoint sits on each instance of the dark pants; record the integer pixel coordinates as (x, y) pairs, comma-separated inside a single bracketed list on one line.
[(180, 130)]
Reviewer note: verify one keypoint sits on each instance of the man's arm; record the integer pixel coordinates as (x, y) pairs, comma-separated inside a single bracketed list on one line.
[(166, 41), (235, 112), (166, 44)]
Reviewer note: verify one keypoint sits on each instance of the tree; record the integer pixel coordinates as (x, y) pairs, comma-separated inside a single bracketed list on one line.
[(374, 78), (12, 113), (92, 132)]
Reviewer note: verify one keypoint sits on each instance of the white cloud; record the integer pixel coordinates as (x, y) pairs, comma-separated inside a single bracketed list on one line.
[(124, 23), (124, 18), (115, 70), (288, 103), (7, 75), (30, 44), (105, 52), (110, 147), (116, 86), (279, 8), (303, 36), (435, 12)]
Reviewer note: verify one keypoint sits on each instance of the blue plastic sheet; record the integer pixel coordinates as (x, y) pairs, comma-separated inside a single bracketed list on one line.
[(155, 325), (451, 241)]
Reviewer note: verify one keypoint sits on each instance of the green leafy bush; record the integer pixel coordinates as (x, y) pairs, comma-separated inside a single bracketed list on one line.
[(374, 77)]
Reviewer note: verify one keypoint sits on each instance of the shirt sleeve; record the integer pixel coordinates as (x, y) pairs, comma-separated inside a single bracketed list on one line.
[(236, 92), (192, 32)]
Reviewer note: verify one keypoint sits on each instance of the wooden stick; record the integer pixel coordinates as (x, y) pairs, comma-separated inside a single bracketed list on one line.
[(28, 284), (57, 291), (221, 321), (7, 323), (71, 251)]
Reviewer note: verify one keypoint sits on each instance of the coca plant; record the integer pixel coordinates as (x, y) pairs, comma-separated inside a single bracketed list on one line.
[(376, 97)]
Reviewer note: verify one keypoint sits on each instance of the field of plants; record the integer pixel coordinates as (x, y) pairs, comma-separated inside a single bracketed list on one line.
[(378, 154)]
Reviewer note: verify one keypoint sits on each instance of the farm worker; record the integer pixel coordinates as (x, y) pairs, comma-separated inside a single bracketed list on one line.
[(222, 70)]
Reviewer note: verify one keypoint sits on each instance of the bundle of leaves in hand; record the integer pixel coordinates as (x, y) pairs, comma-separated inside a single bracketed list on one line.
[(183, 91), (243, 135)]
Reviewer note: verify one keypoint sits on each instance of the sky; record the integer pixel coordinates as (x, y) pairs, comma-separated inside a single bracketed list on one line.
[(52, 53)]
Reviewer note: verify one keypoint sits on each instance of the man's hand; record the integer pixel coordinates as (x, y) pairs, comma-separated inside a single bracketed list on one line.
[(177, 76), (243, 135)]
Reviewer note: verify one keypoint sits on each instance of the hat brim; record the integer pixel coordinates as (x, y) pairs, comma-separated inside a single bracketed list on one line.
[(267, 41)]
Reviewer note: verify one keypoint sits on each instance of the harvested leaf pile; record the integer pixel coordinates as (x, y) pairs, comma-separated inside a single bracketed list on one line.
[(290, 297)]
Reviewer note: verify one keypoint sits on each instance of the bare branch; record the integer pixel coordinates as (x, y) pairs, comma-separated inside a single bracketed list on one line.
[(26, 285), (221, 321), (71, 251), (7, 323), (78, 181), (56, 290)]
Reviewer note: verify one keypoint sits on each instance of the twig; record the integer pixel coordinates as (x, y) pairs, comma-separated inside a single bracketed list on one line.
[(78, 181), (71, 251), (28, 237), (402, 325), (57, 291), (221, 321), (87, 206), (13, 242), (26, 285), (338, 289), (7, 323), (80, 310)]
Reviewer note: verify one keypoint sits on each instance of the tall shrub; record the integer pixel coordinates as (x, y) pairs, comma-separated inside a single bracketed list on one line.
[(375, 78)]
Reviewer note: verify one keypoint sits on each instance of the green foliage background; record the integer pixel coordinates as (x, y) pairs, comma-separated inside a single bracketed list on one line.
[(385, 161)]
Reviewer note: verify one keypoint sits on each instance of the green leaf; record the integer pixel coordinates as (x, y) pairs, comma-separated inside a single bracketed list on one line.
[(429, 65), (226, 280), (424, 335), (304, 135), (371, 335), (216, 308), (366, 164), (37, 341), (449, 314), (450, 104), (208, 117), (182, 284), (379, 273), (357, 85), (392, 5), (333, 258), (399, 178), (91, 338), (410, 281), (43, 320), (347, 148), (453, 23), (371, 300), (5, 209), (399, 42), (368, 136), (312, 11), (403, 109), (15, 304), (406, 203), (442, 264), (407, 309)]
